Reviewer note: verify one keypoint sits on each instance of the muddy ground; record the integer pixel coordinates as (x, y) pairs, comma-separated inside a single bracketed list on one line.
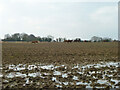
[(60, 65), (59, 53)]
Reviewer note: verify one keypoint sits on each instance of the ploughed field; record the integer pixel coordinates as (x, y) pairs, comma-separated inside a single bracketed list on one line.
[(60, 65)]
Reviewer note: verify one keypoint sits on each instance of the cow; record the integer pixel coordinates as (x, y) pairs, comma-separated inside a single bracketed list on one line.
[(34, 41), (68, 41), (77, 40)]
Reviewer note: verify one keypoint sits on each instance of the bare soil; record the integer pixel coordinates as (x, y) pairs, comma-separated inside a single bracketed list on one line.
[(60, 65), (59, 53)]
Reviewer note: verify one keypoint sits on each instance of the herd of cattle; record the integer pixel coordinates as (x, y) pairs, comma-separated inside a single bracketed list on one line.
[(69, 41), (64, 41)]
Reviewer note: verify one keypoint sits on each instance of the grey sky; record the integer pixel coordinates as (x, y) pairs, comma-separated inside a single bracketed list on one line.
[(60, 19)]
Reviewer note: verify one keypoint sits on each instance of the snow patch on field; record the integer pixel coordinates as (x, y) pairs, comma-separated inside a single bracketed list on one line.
[(78, 73)]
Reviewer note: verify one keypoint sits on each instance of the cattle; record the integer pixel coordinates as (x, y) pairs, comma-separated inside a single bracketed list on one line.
[(77, 40), (68, 40), (34, 41), (86, 41)]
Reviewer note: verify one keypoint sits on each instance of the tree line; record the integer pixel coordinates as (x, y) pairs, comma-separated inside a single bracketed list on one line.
[(26, 37), (49, 38)]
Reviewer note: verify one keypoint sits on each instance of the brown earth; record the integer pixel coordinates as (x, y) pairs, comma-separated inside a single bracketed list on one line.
[(66, 58), (59, 53)]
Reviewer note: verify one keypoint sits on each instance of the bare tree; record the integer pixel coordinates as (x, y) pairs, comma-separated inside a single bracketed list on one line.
[(50, 38), (96, 39), (106, 39)]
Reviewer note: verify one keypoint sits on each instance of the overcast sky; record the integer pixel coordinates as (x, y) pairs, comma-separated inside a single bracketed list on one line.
[(70, 19)]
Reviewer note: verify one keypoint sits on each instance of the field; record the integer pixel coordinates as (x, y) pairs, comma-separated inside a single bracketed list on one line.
[(60, 65)]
